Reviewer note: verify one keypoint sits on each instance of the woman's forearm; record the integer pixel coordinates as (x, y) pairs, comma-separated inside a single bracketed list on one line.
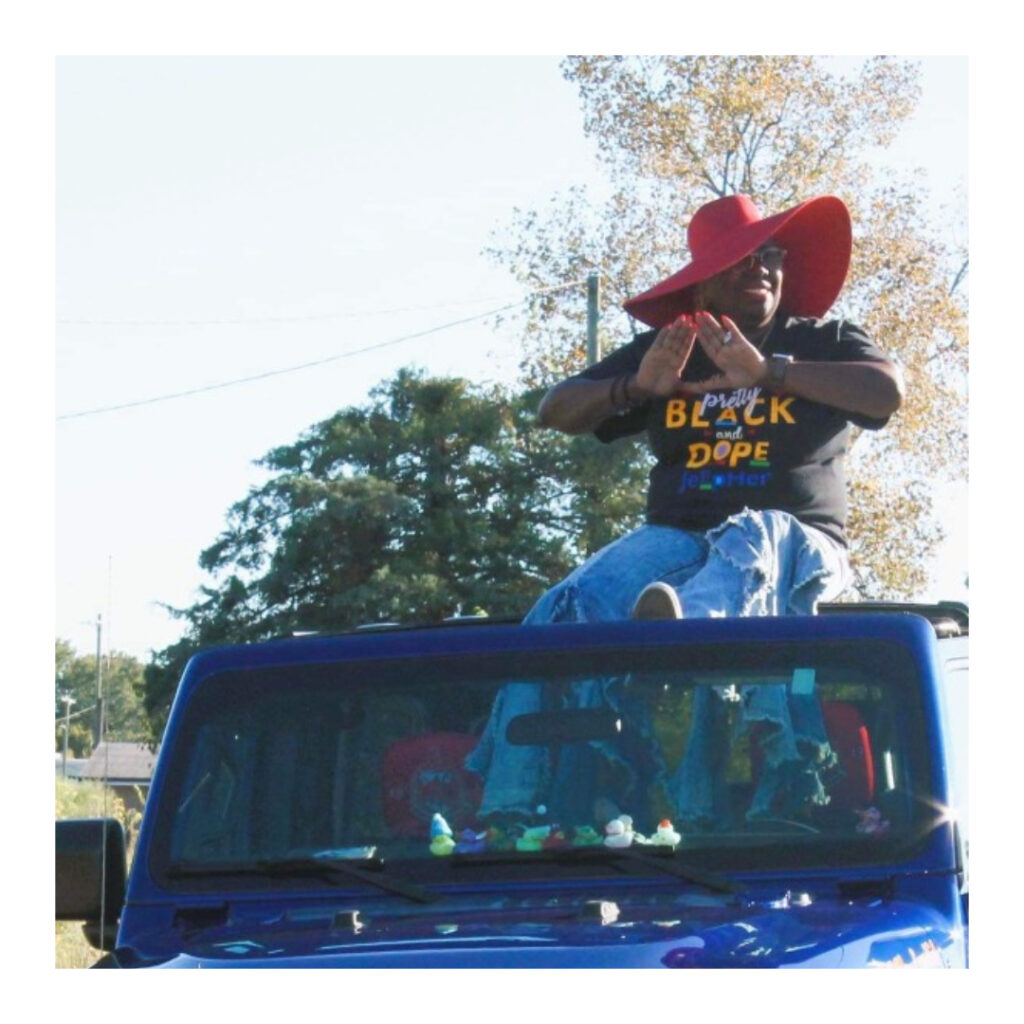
[(871, 389), (577, 406)]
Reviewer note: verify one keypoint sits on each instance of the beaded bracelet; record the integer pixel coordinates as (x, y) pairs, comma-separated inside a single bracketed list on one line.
[(612, 400), (618, 394)]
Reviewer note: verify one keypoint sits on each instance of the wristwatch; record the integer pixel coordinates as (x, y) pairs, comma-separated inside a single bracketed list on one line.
[(778, 367)]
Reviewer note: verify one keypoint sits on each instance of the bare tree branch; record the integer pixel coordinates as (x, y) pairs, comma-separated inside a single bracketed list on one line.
[(960, 275)]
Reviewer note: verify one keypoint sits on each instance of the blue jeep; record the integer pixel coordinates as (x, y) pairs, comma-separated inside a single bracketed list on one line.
[(486, 795)]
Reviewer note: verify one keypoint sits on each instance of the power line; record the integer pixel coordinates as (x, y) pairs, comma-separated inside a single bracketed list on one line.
[(74, 714), (305, 366), (256, 321), (281, 371)]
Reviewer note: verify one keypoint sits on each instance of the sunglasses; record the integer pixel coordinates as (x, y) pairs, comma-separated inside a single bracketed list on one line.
[(769, 256)]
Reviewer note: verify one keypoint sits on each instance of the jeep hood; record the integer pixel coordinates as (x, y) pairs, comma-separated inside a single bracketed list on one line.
[(695, 932)]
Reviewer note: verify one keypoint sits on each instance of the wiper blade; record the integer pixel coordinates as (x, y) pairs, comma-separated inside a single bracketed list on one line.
[(669, 863), (664, 860), (365, 870), (307, 863)]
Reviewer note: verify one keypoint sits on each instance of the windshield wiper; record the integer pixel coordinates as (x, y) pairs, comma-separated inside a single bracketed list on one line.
[(664, 860), (668, 863), (310, 867)]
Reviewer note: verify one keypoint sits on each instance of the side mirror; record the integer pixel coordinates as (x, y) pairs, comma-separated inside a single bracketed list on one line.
[(90, 876)]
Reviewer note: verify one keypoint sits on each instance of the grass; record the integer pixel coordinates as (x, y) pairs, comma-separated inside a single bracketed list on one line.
[(87, 800), (71, 948)]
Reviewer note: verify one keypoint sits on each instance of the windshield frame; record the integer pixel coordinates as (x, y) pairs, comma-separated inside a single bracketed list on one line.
[(223, 685)]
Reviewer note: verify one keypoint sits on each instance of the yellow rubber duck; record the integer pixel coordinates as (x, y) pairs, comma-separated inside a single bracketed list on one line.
[(441, 840), (442, 845)]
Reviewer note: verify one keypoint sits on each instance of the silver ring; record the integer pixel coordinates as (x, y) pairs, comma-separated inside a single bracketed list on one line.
[(727, 338)]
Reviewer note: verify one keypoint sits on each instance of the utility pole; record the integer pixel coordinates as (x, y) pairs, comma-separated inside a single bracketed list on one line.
[(99, 680), (593, 315), (68, 701)]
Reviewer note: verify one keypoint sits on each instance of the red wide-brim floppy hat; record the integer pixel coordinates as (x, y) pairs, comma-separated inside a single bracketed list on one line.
[(816, 235)]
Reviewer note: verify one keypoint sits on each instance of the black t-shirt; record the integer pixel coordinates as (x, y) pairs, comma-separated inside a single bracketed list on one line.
[(748, 447)]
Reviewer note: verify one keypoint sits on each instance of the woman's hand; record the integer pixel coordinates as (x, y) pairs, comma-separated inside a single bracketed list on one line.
[(872, 389), (577, 405), (662, 365), (741, 365)]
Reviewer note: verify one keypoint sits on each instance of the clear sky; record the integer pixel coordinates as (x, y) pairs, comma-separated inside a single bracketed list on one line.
[(226, 217)]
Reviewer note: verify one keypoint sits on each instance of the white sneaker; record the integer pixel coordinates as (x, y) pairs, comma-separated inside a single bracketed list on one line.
[(657, 601)]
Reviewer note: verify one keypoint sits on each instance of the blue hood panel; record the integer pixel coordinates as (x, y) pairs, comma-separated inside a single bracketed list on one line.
[(828, 933)]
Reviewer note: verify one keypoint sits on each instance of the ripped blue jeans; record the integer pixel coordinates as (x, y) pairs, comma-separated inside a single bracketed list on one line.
[(755, 563)]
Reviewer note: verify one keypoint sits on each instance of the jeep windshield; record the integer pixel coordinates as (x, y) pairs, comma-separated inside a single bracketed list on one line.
[(519, 764)]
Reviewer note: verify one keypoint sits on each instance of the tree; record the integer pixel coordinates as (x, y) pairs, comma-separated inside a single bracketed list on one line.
[(75, 676), (437, 498), (676, 132)]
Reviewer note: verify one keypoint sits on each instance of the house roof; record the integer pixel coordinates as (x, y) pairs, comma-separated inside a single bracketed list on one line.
[(120, 762), (74, 767)]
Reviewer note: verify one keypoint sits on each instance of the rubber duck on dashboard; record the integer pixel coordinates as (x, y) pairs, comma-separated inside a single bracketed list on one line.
[(616, 834), (441, 841), (666, 835)]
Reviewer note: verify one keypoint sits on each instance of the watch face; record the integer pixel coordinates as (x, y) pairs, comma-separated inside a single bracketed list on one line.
[(780, 364)]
